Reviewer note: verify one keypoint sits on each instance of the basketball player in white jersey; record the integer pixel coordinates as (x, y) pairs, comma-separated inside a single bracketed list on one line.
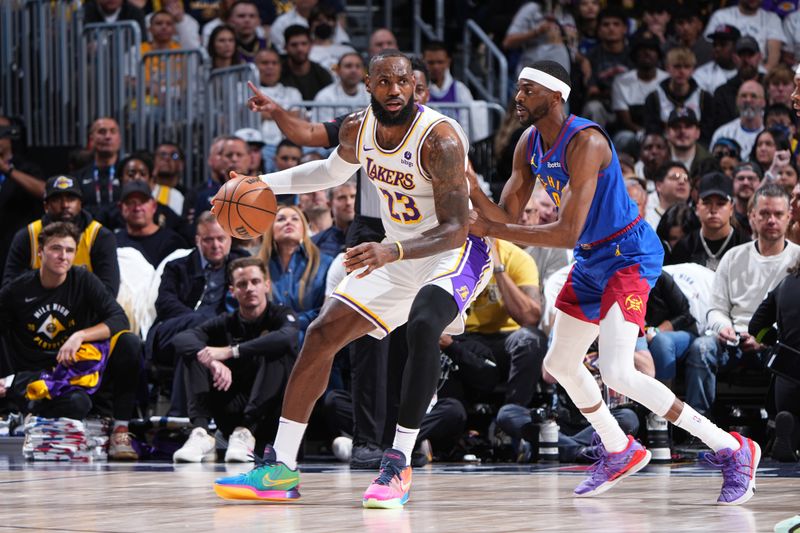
[(426, 272)]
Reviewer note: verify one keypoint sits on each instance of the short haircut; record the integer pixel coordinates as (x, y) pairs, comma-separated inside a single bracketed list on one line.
[(436, 46), (56, 230), (238, 3), (294, 30), (319, 11), (98, 119), (244, 262), (268, 50), (680, 56), (206, 217), (553, 68), (386, 54), (419, 64), (170, 143), (144, 157), (349, 54), (287, 143), (161, 12), (770, 190), (613, 13), (664, 169), (778, 110), (779, 74)]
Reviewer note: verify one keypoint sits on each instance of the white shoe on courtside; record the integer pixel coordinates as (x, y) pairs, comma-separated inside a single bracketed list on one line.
[(241, 444), (200, 446)]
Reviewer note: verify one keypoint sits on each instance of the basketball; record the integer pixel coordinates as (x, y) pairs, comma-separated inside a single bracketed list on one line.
[(245, 207)]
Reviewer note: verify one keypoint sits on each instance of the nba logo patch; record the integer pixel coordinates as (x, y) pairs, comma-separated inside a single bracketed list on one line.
[(407, 155)]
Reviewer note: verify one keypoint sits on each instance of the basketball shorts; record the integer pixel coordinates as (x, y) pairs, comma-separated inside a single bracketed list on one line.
[(384, 297), (622, 270)]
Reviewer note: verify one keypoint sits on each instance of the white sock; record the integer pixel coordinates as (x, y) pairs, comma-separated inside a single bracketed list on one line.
[(120, 424), (702, 428), (614, 439), (404, 440), (287, 441)]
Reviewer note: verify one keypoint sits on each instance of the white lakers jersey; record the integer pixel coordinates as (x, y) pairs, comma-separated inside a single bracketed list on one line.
[(407, 205)]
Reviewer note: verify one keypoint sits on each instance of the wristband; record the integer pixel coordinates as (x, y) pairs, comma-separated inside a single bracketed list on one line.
[(499, 268), (399, 250), (235, 351)]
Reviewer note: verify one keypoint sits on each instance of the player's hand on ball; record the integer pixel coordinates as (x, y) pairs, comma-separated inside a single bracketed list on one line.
[(372, 255), (478, 225)]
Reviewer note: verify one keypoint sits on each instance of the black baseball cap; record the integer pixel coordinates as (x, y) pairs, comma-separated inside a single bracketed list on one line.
[(134, 187), (645, 39), (747, 44), (682, 114), (715, 183), (62, 184), (725, 31)]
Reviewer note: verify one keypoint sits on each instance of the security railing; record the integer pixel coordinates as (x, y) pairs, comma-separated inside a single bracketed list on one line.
[(491, 81), (433, 32)]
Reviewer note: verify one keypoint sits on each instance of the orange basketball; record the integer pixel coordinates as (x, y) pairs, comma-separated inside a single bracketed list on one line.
[(245, 207)]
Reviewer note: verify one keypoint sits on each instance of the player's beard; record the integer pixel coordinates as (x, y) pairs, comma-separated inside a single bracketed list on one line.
[(389, 118), (538, 113)]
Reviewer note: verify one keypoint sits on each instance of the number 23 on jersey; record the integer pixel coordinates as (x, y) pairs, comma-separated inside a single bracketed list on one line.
[(402, 207)]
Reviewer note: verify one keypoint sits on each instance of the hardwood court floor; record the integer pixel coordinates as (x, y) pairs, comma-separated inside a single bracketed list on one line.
[(164, 498)]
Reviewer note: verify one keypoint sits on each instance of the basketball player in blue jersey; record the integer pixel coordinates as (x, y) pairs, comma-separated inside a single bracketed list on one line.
[(426, 273), (617, 261)]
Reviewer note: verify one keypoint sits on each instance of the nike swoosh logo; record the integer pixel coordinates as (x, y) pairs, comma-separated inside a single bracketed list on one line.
[(269, 482), (368, 149), (405, 486), (29, 300)]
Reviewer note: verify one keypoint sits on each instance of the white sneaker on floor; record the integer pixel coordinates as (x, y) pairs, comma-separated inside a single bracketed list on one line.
[(342, 448), (200, 446), (240, 446)]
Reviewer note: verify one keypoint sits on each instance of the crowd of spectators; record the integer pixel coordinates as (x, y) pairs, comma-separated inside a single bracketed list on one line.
[(698, 102)]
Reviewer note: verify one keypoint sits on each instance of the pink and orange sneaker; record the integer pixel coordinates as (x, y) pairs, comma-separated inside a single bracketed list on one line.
[(611, 468), (390, 490)]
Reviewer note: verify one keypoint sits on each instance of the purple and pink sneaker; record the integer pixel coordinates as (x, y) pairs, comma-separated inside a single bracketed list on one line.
[(611, 468), (738, 470)]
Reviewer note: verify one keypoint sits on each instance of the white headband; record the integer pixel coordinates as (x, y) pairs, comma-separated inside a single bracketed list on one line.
[(546, 80), (797, 71)]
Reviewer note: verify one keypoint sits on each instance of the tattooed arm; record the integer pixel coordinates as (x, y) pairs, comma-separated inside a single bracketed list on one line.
[(443, 159)]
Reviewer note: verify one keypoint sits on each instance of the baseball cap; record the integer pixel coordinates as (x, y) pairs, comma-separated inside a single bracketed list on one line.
[(62, 184), (747, 44), (715, 183), (682, 114), (250, 136), (133, 187), (725, 31), (751, 166), (645, 39)]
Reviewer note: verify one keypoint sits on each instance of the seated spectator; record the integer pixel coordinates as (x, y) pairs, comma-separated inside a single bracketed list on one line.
[(98, 181), (269, 71), (538, 36), (780, 118), (629, 90), (779, 84), (255, 143), (683, 134), (245, 21), (223, 13), (316, 206), (722, 67), (608, 59), (97, 247), (791, 28), (707, 245), (678, 91), (299, 15), (748, 61), (348, 89), (728, 155), (193, 288), (793, 233), (222, 47), (296, 267), (688, 26), (287, 155), (788, 177), (750, 102), (504, 318), (168, 166), (226, 154), (331, 241), (68, 339), (780, 306), (381, 39), (772, 152), (236, 367), (547, 260), (441, 84), (298, 70), (672, 187), (764, 27), (138, 209), (112, 11), (187, 29), (677, 222), (322, 25), (162, 32), (653, 154), (743, 279), (139, 167), (746, 180), (21, 187)]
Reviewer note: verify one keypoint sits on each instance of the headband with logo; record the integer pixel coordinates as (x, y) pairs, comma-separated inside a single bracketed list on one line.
[(546, 80)]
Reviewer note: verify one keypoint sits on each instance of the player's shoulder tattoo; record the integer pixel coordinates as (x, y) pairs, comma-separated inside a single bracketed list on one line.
[(444, 153)]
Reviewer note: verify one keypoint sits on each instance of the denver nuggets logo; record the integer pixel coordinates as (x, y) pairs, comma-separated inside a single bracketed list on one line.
[(634, 303), (463, 292)]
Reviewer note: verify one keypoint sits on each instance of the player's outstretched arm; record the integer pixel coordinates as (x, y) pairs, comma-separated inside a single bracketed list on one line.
[(296, 129), (516, 192), (318, 175), (443, 159), (587, 153)]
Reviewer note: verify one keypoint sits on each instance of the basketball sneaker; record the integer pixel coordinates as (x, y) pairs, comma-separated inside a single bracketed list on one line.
[(120, 446), (738, 470), (240, 446), (200, 446), (269, 480), (610, 468), (390, 490)]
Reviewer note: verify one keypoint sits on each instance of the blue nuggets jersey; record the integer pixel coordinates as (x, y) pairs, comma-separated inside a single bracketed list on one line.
[(612, 210)]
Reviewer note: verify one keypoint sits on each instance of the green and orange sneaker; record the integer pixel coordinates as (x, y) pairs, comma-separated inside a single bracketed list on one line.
[(270, 480)]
